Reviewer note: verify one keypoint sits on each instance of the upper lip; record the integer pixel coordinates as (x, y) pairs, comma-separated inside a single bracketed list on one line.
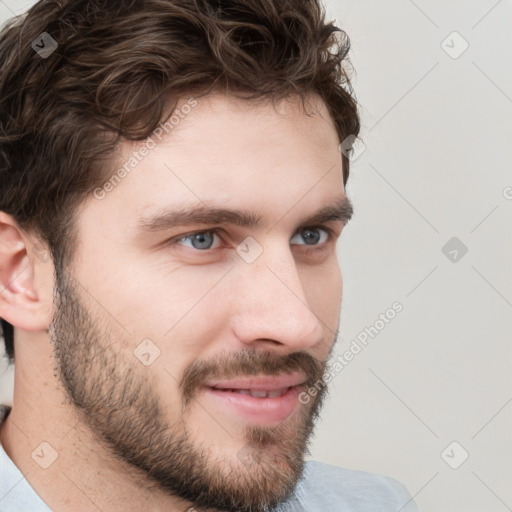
[(263, 383)]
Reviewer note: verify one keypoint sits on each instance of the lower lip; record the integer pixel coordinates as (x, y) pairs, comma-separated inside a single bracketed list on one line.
[(261, 411)]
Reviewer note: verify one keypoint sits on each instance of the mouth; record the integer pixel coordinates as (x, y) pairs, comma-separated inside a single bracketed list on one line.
[(265, 383), (259, 400), (256, 393)]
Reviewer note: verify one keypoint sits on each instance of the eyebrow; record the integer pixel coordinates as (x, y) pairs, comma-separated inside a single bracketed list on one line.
[(339, 210)]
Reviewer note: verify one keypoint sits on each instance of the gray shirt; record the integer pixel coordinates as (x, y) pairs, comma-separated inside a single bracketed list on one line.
[(322, 488)]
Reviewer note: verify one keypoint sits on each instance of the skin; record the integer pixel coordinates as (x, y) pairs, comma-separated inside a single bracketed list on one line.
[(127, 435)]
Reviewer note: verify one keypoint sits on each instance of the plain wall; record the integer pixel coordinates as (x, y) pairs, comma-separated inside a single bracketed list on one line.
[(436, 165)]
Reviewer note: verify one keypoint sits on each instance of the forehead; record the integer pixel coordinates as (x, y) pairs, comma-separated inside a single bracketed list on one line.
[(207, 126), (225, 150)]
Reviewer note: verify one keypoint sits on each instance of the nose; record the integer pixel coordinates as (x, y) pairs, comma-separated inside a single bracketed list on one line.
[(270, 305)]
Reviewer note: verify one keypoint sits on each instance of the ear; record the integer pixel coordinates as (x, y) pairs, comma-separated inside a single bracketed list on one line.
[(25, 268)]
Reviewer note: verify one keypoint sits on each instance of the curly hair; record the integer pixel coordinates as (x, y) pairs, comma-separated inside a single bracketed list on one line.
[(78, 77)]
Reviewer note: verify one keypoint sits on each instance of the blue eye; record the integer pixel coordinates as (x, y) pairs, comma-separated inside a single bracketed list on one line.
[(311, 236), (205, 240), (202, 240)]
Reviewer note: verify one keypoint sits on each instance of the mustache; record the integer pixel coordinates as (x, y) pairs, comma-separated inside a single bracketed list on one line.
[(249, 363)]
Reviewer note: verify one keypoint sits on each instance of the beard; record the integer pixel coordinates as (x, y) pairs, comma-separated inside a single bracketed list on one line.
[(114, 397)]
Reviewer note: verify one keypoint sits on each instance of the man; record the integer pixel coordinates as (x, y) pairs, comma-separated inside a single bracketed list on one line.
[(172, 193)]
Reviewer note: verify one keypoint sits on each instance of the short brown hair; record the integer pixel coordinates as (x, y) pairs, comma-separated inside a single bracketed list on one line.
[(117, 71)]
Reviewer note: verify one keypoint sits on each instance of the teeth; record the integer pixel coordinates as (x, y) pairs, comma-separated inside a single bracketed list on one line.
[(257, 393), (278, 392)]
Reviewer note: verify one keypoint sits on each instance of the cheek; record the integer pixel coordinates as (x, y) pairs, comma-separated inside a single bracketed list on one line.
[(181, 312), (159, 299), (323, 288)]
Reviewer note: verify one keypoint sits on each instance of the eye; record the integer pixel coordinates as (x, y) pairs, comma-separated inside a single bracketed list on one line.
[(204, 241), (311, 236), (201, 240)]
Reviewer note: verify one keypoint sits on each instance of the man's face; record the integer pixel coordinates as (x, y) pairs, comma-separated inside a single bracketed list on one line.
[(168, 332)]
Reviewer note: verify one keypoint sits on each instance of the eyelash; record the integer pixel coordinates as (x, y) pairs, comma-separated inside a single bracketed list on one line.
[(330, 236)]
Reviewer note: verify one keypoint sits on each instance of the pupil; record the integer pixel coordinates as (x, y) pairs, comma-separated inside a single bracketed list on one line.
[(202, 240), (310, 237)]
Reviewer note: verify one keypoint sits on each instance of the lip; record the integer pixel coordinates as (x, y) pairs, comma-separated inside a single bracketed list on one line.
[(259, 411), (263, 383), (264, 411)]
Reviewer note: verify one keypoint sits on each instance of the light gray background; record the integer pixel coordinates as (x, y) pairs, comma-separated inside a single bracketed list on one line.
[(436, 165)]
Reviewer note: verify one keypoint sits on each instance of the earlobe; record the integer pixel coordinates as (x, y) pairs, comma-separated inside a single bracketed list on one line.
[(21, 303)]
